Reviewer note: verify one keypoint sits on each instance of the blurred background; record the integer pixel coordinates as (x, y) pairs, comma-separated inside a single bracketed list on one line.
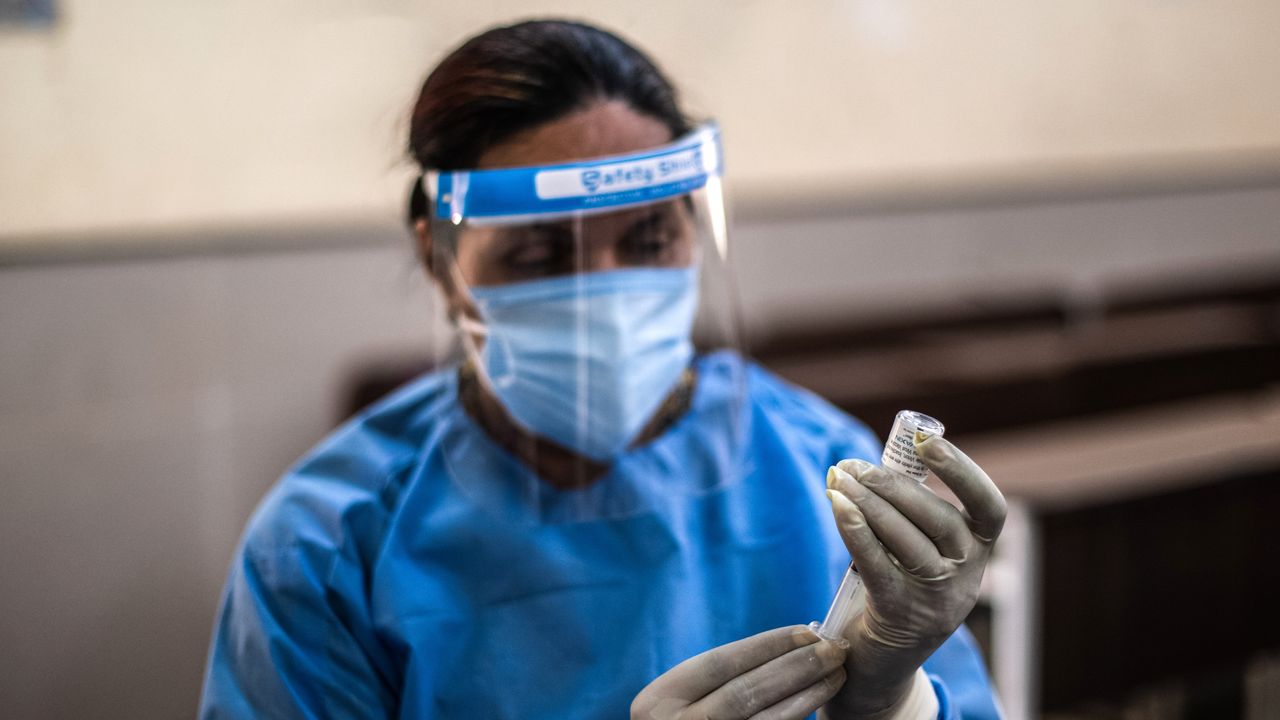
[(1056, 226)]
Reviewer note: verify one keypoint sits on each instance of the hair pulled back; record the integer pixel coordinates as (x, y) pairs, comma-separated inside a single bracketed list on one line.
[(510, 79)]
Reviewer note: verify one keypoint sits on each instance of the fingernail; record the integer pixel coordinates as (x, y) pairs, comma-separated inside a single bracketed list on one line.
[(828, 650), (849, 485), (843, 505), (831, 476), (922, 437), (854, 468), (924, 447), (805, 636), (843, 478)]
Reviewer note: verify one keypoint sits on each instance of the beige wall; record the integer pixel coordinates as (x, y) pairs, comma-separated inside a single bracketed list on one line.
[(145, 112)]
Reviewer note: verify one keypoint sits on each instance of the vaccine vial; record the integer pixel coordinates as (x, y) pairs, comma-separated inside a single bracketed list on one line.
[(899, 453)]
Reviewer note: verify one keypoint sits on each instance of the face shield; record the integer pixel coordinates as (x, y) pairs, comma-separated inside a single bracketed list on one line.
[(596, 315)]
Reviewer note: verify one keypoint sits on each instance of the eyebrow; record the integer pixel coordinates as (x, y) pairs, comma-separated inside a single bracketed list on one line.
[(655, 216), (535, 233), (563, 229)]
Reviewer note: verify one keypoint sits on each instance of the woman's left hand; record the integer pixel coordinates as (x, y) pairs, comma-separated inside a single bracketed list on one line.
[(921, 560), (781, 674)]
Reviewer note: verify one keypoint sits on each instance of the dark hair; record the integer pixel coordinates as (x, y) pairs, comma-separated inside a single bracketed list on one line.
[(509, 79)]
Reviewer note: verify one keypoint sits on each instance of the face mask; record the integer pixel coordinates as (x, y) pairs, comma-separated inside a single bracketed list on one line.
[(586, 359)]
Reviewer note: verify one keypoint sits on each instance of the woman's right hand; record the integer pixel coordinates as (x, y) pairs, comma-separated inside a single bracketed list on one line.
[(783, 673)]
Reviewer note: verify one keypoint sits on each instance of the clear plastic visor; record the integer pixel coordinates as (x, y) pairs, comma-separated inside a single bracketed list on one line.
[(601, 370)]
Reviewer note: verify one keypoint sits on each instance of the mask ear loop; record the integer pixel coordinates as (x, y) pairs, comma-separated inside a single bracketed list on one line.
[(470, 329)]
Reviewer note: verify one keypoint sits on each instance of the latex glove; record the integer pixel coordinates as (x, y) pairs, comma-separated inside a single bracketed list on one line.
[(784, 673), (921, 560)]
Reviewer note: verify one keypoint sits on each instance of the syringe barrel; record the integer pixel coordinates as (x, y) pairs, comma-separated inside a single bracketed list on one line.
[(850, 600)]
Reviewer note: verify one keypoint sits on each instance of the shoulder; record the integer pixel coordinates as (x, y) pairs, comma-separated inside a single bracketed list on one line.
[(339, 496), (808, 418)]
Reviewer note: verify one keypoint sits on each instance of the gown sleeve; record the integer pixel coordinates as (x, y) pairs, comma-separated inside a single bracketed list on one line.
[(960, 680), (285, 645), (294, 636)]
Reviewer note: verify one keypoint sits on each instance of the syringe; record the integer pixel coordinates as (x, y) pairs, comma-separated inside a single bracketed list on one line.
[(899, 456)]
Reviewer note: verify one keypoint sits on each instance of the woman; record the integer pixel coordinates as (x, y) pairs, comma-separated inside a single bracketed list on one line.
[(586, 516)]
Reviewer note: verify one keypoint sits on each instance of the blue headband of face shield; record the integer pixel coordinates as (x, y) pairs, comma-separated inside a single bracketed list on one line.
[(546, 191)]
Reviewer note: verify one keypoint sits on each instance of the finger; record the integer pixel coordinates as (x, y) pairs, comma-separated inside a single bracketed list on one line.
[(938, 519), (868, 554), (770, 683), (915, 552), (807, 701), (702, 674), (981, 498)]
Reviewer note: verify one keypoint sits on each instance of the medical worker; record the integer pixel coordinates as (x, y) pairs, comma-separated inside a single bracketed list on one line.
[(601, 508)]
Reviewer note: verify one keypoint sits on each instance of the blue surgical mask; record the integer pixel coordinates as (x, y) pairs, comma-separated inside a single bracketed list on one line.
[(586, 359)]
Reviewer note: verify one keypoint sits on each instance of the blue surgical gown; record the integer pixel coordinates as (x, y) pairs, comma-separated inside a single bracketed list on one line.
[(375, 581)]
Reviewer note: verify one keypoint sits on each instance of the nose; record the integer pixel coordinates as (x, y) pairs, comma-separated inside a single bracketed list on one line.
[(601, 257)]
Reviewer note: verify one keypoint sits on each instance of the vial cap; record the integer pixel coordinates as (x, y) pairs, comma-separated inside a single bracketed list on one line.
[(900, 451)]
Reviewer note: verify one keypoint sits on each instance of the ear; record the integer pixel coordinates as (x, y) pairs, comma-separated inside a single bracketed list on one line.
[(422, 233), (455, 302)]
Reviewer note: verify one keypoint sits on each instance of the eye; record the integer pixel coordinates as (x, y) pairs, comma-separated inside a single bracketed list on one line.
[(538, 250), (654, 239), (533, 253)]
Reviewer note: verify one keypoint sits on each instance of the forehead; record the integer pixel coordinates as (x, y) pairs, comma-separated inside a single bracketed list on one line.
[(606, 128), (605, 226)]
